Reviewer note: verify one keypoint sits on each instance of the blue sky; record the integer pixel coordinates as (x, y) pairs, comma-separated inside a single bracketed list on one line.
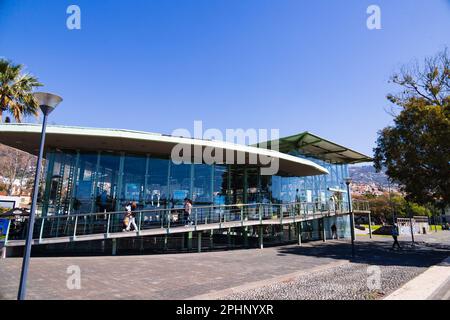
[(288, 64)]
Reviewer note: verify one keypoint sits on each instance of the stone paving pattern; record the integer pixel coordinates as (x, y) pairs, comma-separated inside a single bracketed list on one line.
[(180, 276)]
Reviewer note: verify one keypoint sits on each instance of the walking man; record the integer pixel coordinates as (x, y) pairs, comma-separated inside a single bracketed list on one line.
[(334, 232), (395, 236)]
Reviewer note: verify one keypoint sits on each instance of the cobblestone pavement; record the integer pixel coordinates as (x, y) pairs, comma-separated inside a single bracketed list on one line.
[(180, 276), (347, 282), (355, 280)]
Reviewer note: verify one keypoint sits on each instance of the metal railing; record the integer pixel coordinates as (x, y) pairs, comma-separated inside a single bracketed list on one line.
[(75, 225)]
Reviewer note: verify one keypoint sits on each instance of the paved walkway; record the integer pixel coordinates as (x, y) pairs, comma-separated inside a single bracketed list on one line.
[(443, 293), (425, 285), (183, 276)]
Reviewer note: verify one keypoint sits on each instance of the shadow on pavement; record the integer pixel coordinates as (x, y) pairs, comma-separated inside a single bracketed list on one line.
[(375, 252)]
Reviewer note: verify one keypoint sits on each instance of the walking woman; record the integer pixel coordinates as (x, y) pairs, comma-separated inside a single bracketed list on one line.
[(126, 217), (132, 217)]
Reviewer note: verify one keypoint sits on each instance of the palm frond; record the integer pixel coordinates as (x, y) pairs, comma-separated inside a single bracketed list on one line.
[(16, 90)]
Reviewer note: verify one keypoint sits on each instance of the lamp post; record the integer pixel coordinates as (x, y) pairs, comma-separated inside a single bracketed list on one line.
[(390, 202), (352, 218), (47, 103)]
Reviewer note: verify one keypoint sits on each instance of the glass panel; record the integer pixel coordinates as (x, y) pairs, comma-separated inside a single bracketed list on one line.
[(180, 184), (156, 195), (236, 192), (220, 184), (60, 180), (106, 183), (133, 183), (202, 192), (253, 195), (266, 189), (84, 185)]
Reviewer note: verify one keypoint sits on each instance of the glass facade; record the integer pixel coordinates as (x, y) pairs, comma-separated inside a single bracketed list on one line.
[(85, 182)]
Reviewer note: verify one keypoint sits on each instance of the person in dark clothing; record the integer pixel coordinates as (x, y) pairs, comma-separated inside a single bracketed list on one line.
[(334, 231), (187, 211), (395, 237)]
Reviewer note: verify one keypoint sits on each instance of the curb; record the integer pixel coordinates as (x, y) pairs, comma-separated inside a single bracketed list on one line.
[(215, 295), (424, 285)]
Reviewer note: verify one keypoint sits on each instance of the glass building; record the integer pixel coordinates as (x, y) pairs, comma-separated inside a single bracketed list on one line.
[(101, 170), (84, 182)]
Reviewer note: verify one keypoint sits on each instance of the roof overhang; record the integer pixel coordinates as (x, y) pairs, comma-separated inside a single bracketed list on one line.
[(26, 137), (311, 145)]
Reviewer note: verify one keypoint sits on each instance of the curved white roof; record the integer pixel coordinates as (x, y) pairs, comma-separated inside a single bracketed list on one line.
[(26, 137)]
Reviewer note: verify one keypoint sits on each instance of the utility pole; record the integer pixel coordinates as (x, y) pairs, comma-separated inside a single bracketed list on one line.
[(410, 222)]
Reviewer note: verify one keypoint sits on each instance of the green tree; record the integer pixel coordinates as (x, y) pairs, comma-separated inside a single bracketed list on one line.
[(383, 206), (16, 91), (416, 150)]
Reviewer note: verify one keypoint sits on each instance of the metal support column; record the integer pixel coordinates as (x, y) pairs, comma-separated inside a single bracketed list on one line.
[(114, 247), (199, 241), (120, 181), (261, 237), (299, 233), (245, 231), (189, 240), (211, 239), (183, 241), (94, 183)]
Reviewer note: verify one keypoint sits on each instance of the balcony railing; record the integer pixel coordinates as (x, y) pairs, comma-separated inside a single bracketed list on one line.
[(106, 223)]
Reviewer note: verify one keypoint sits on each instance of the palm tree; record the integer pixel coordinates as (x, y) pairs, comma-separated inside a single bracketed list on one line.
[(16, 91)]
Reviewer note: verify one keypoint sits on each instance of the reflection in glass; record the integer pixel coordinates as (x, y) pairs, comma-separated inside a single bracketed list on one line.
[(83, 182), (133, 184)]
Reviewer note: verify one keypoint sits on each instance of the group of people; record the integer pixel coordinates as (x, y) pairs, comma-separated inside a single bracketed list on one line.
[(129, 219)]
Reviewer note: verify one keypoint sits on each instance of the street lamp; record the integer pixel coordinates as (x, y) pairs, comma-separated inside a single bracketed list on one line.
[(47, 103), (352, 218)]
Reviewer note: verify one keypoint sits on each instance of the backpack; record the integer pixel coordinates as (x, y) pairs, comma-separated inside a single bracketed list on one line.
[(395, 231)]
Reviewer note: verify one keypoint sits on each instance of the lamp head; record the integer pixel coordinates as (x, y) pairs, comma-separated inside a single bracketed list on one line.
[(47, 101), (348, 181)]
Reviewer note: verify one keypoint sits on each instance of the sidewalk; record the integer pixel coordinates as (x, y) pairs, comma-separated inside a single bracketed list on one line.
[(426, 285), (314, 270)]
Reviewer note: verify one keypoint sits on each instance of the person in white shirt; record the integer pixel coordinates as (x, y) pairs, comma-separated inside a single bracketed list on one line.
[(132, 217)]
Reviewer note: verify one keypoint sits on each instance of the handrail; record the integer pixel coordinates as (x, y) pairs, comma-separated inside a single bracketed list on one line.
[(74, 225), (316, 203)]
